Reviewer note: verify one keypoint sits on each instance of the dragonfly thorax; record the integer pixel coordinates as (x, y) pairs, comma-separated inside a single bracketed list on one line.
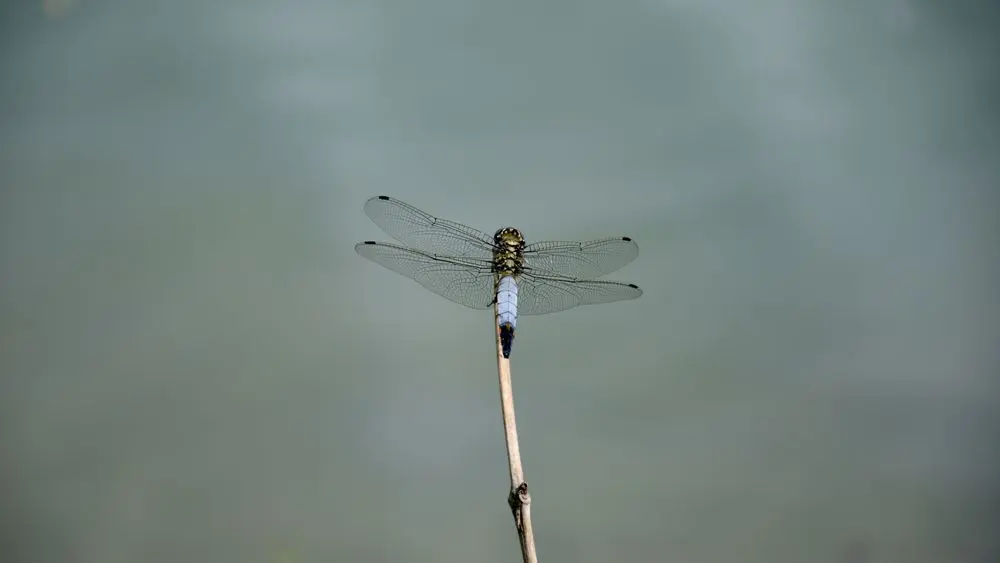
[(508, 252)]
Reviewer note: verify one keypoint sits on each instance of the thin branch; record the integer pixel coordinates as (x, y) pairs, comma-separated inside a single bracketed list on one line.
[(519, 500)]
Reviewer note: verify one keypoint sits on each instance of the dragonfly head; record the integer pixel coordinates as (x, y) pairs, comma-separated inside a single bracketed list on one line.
[(509, 238)]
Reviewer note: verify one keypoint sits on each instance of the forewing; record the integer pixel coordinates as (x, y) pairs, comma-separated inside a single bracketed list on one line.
[(465, 281), (540, 293), (425, 232), (584, 260)]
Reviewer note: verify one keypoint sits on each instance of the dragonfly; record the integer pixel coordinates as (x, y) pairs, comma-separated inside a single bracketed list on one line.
[(474, 269)]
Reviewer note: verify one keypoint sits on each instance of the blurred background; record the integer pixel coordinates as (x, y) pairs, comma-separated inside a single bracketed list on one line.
[(196, 366)]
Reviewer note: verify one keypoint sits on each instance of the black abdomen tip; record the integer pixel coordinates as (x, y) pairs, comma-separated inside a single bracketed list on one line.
[(506, 339)]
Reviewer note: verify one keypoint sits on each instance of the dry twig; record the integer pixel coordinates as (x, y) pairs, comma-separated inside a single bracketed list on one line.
[(518, 499)]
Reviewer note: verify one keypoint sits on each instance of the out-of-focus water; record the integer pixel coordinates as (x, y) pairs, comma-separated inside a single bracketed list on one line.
[(197, 367)]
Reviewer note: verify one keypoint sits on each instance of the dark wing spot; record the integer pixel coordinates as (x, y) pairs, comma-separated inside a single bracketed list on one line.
[(626, 239), (370, 242), (384, 197), (633, 286)]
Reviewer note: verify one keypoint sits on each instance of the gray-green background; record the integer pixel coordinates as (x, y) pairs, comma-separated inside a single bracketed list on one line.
[(197, 367)]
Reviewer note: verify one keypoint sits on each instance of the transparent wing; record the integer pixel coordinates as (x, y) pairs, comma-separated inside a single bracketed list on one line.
[(425, 232), (540, 293), (585, 260), (465, 281)]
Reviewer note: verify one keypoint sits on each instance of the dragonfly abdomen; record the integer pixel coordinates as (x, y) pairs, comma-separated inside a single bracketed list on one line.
[(506, 312)]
